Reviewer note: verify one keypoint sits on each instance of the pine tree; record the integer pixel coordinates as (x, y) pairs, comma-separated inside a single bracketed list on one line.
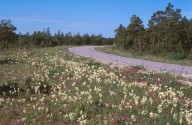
[(121, 36), (135, 30), (7, 32)]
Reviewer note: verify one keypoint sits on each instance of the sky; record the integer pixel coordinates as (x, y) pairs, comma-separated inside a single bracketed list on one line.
[(83, 16)]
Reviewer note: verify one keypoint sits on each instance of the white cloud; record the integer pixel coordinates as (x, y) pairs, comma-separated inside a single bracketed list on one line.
[(32, 20)]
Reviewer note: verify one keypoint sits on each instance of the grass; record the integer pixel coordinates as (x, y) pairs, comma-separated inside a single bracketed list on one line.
[(52, 86), (159, 58)]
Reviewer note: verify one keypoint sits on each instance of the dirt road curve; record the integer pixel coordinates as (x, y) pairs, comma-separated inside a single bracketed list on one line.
[(89, 51)]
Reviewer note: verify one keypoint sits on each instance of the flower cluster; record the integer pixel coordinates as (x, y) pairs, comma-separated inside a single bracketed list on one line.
[(54, 87)]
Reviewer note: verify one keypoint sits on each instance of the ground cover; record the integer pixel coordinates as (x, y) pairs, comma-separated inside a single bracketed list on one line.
[(52, 86)]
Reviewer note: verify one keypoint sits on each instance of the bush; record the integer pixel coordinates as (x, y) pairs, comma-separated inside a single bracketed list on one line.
[(9, 89), (137, 53), (190, 55), (178, 55), (93, 63)]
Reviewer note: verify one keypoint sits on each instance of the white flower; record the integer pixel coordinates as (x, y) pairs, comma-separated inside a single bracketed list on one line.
[(159, 108), (71, 116), (151, 100), (143, 100), (84, 83), (23, 119), (33, 63), (100, 95), (152, 115), (133, 117), (83, 122)]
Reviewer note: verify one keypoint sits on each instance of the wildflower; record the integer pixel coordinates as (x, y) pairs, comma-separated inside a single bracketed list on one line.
[(152, 115), (100, 95), (90, 98), (83, 122), (143, 100), (84, 83), (71, 116), (46, 109), (81, 112), (136, 100), (33, 63), (160, 108), (1, 101), (133, 117), (181, 120), (151, 100), (23, 119), (144, 112)]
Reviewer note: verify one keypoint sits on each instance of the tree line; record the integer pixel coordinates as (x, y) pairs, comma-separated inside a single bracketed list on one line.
[(44, 38), (168, 33)]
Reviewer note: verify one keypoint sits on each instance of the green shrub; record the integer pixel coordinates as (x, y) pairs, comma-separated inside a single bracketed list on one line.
[(178, 55), (137, 53), (9, 88), (93, 63), (190, 55)]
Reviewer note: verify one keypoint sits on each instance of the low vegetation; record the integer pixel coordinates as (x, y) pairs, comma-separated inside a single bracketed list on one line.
[(51, 86)]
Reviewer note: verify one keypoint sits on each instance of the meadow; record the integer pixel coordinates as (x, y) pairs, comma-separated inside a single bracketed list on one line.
[(52, 86)]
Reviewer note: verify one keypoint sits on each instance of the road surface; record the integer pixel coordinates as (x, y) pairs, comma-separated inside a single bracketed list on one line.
[(89, 51)]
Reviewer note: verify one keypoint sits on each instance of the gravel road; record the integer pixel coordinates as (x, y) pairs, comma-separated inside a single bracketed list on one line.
[(89, 51)]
